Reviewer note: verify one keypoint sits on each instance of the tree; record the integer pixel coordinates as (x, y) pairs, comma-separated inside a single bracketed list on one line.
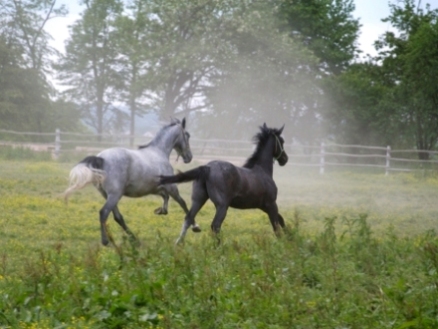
[(28, 19), (268, 78), (410, 60), (88, 68), (186, 46), (359, 111), (132, 37), (25, 92), (14, 101), (326, 27), (222, 58)]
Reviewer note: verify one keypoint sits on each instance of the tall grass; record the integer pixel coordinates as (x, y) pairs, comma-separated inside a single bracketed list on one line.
[(298, 281), (347, 273), (21, 153)]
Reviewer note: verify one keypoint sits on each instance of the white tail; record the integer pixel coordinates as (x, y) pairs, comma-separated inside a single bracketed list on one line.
[(82, 175)]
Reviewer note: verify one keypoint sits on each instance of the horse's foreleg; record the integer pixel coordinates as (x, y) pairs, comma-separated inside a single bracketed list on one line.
[(190, 220), (174, 193), (281, 220), (275, 218), (119, 219), (199, 198), (183, 232)]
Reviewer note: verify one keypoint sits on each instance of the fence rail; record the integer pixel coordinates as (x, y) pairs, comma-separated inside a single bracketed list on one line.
[(321, 156)]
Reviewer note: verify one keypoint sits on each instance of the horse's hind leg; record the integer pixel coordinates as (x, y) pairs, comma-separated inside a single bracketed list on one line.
[(221, 212), (281, 220), (174, 193), (110, 204), (163, 210), (119, 219)]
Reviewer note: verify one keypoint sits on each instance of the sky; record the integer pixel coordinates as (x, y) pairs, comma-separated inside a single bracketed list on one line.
[(369, 12)]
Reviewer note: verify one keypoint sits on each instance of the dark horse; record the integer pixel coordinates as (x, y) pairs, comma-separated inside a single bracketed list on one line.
[(247, 187)]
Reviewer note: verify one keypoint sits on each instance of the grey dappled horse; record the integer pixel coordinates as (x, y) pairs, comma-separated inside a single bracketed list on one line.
[(118, 172), (247, 187)]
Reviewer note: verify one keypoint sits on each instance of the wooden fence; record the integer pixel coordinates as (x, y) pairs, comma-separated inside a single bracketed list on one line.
[(321, 156)]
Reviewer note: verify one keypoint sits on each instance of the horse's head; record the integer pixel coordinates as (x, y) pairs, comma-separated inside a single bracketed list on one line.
[(182, 146), (270, 145), (279, 152)]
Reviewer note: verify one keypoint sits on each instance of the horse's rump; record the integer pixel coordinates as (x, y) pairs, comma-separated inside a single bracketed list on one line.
[(89, 170), (94, 162)]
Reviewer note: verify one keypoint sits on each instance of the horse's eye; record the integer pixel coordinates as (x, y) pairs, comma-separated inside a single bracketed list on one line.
[(187, 135)]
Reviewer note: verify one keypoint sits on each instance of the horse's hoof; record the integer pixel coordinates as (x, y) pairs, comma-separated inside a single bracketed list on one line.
[(160, 211), (196, 229)]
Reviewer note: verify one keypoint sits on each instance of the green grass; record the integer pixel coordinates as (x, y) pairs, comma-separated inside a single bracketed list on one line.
[(360, 252)]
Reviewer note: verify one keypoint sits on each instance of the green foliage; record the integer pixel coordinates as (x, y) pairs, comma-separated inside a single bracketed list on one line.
[(270, 72), (345, 273), (25, 93), (246, 283), (358, 113), (88, 68), (409, 59), (229, 57), (326, 27), (391, 99)]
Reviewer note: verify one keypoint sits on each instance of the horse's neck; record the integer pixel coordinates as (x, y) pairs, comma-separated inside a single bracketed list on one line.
[(164, 142), (265, 160)]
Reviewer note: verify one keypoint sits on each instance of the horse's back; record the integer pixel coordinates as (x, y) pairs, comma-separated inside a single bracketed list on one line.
[(133, 172), (244, 188), (228, 171), (143, 161)]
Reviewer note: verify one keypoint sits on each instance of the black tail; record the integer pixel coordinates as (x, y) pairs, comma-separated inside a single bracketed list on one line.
[(188, 176), (93, 161)]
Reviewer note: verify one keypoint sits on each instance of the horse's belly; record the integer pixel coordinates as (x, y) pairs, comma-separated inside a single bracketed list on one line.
[(139, 190), (244, 203)]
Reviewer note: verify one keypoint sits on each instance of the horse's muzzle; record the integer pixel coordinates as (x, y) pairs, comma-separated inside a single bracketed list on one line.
[(283, 159), (187, 158)]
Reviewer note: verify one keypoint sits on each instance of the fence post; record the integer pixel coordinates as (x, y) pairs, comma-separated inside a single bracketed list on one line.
[(57, 143), (388, 157), (321, 159)]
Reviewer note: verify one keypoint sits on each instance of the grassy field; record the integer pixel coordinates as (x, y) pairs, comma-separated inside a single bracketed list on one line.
[(361, 252)]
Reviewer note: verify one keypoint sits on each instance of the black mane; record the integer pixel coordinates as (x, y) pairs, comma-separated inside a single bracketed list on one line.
[(260, 139)]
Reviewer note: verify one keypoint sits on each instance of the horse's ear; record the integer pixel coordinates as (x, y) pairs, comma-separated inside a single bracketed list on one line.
[(280, 130), (264, 126), (183, 123)]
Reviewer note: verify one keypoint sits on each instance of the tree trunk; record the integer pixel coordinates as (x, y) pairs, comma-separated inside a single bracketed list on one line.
[(132, 121), (423, 155), (99, 117)]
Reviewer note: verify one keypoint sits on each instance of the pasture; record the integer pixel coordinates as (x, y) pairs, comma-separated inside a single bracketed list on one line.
[(361, 252)]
